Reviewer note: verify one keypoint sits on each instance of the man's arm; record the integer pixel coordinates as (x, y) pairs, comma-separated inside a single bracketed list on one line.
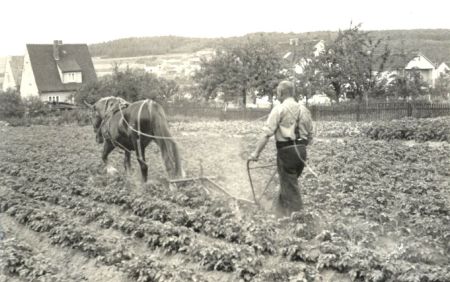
[(271, 126), (259, 147), (306, 124)]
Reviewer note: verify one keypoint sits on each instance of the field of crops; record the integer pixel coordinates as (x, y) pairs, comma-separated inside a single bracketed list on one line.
[(378, 211)]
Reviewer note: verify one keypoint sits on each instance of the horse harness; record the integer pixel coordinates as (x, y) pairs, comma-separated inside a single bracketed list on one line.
[(107, 135)]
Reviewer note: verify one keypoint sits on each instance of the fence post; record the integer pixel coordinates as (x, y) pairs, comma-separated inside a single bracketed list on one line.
[(314, 112), (358, 112), (409, 111)]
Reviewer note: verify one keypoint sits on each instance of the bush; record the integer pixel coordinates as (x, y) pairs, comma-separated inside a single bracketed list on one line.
[(428, 129), (35, 107), (79, 117), (11, 105), (130, 84)]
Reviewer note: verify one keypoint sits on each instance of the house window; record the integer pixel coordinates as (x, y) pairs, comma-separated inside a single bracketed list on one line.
[(49, 98), (69, 77), (57, 99)]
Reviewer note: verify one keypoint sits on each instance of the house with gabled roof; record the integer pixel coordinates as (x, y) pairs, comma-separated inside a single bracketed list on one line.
[(443, 68), (13, 73), (417, 61), (424, 66), (54, 72)]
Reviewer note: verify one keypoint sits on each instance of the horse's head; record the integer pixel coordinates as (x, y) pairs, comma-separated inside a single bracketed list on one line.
[(100, 111)]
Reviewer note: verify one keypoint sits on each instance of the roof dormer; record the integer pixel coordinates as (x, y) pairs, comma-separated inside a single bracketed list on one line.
[(68, 68)]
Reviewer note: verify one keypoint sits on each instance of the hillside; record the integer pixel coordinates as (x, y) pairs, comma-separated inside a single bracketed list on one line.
[(434, 43)]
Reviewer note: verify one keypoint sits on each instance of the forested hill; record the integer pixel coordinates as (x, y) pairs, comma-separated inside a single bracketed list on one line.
[(434, 43)]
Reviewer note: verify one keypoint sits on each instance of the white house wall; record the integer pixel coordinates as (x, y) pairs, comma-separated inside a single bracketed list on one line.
[(69, 77), (419, 62), (8, 82), (28, 87), (442, 69), (62, 97), (428, 76), (319, 48)]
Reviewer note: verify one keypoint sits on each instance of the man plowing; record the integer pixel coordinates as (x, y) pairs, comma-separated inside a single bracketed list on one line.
[(291, 124)]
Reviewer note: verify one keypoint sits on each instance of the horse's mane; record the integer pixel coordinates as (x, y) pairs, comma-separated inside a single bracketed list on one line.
[(119, 99), (109, 104)]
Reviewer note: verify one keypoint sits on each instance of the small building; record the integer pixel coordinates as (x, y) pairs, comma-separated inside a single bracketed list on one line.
[(13, 73), (55, 72), (424, 66), (442, 69)]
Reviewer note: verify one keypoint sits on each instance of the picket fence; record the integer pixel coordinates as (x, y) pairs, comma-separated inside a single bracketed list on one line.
[(336, 112)]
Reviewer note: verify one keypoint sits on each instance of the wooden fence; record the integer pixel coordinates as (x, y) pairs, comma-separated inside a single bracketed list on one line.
[(216, 112), (379, 111), (338, 112)]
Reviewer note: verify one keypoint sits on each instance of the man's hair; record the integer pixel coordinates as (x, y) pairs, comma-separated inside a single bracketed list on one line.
[(286, 88)]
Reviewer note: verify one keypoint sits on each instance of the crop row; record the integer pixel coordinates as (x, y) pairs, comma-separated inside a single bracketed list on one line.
[(61, 231), (211, 220), (18, 259), (333, 251), (172, 239)]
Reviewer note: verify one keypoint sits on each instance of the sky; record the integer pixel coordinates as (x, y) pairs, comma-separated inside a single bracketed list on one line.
[(95, 21)]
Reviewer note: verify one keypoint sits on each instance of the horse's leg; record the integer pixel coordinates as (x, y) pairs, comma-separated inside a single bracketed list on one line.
[(140, 153), (126, 162), (144, 167), (107, 149)]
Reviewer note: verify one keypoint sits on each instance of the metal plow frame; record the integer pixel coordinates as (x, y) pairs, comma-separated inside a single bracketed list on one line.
[(214, 185)]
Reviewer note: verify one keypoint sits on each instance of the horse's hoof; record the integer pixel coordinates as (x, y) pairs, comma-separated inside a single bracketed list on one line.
[(111, 170)]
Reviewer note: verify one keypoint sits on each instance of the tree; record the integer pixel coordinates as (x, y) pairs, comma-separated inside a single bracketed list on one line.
[(408, 85), (309, 80), (442, 86), (264, 65), (333, 72), (130, 84), (353, 63), (240, 70), (93, 91)]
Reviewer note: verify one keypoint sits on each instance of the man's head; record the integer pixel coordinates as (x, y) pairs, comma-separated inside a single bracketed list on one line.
[(285, 89)]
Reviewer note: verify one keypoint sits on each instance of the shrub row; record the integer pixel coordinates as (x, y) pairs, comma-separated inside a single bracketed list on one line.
[(421, 130)]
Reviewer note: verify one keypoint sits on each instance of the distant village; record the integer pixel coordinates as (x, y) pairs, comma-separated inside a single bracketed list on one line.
[(54, 72)]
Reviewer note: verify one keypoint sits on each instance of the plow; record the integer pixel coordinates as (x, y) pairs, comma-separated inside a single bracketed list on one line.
[(211, 187)]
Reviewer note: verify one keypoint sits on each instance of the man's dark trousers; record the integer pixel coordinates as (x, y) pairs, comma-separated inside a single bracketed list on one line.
[(290, 163)]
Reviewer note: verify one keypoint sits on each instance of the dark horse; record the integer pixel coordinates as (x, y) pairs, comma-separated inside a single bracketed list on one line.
[(131, 127)]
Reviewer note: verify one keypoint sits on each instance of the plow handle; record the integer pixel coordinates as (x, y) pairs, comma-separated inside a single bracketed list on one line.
[(251, 182)]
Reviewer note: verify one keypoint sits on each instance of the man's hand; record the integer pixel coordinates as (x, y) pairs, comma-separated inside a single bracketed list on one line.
[(261, 144), (253, 157)]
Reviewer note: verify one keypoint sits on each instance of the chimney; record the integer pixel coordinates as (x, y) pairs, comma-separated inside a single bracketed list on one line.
[(56, 44)]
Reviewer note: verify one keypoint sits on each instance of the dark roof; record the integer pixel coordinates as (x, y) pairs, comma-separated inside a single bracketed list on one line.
[(45, 67), (16, 64), (68, 65), (398, 61)]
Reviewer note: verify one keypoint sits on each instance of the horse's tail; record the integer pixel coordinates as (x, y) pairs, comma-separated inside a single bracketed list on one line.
[(167, 145)]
